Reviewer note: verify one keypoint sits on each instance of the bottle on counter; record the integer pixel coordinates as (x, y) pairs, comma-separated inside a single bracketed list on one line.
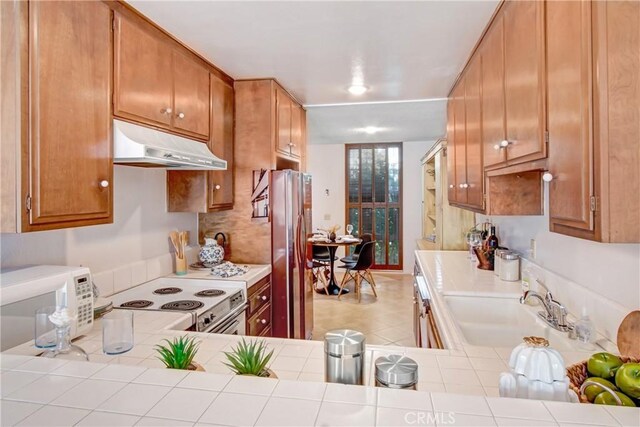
[(492, 245), (585, 331)]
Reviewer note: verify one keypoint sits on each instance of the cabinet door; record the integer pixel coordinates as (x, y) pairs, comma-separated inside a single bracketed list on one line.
[(221, 144), (460, 142), (493, 115), (296, 129), (524, 77), (143, 75), (475, 176), (283, 128), (569, 113), (191, 96), (70, 114), (451, 152)]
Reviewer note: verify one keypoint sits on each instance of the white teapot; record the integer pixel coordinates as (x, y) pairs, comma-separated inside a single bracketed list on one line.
[(537, 372), (211, 253)]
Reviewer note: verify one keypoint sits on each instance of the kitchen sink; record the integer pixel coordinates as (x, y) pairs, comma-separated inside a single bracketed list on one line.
[(501, 322)]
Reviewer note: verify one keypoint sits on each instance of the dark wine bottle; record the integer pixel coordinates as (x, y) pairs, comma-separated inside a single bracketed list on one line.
[(492, 240)]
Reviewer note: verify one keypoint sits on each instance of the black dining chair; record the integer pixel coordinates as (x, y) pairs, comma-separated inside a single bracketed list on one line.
[(360, 270), (351, 259), (320, 264)]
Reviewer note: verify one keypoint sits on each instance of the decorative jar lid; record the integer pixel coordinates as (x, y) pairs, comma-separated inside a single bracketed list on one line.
[(536, 361)]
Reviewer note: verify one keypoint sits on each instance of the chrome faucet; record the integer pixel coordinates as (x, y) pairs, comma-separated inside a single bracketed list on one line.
[(554, 314)]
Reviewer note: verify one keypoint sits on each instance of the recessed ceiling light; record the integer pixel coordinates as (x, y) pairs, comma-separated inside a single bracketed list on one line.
[(370, 130), (357, 89)]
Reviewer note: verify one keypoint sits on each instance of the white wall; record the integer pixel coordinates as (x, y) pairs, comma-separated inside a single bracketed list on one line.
[(139, 231), (611, 270), (326, 164)]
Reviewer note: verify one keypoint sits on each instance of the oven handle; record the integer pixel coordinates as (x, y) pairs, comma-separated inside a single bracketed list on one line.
[(222, 324), (229, 327)]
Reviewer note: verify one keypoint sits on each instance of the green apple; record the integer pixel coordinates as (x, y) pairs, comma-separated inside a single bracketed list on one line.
[(591, 391), (628, 379), (603, 365), (605, 398)]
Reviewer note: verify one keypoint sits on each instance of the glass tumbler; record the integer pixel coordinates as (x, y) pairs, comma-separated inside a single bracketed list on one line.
[(45, 331), (117, 331)]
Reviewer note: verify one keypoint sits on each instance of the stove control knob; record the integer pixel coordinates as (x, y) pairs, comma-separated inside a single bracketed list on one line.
[(212, 316), (206, 320)]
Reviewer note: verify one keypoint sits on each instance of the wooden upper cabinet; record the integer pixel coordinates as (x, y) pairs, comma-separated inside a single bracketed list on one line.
[(143, 74), (297, 141), (283, 126), (221, 144), (474, 182), (451, 152), (493, 115), (191, 95), (524, 79), (70, 148), (460, 143), (569, 82), (159, 84)]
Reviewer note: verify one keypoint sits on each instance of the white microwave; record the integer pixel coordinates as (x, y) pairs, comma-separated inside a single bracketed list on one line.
[(23, 290)]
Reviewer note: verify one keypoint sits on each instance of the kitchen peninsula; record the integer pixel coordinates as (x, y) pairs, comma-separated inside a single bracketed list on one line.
[(459, 381)]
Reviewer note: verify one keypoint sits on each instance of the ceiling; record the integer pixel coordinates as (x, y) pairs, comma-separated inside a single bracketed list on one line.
[(401, 50)]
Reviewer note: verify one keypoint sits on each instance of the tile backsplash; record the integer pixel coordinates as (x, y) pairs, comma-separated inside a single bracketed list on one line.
[(127, 276), (605, 314)]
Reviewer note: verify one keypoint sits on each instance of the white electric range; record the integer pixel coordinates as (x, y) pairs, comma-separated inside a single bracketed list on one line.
[(216, 306)]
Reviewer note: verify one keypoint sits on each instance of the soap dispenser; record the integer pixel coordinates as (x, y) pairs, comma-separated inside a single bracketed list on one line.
[(585, 332)]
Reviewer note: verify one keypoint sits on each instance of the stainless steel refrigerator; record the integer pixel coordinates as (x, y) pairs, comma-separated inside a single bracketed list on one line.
[(291, 292)]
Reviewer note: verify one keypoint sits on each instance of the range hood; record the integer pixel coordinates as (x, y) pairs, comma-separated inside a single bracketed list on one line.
[(136, 145)]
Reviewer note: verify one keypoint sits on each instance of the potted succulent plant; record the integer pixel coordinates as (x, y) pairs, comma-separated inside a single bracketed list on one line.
[(250, 358), (179, 353)]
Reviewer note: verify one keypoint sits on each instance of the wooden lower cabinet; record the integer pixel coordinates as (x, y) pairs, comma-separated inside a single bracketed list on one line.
[(259, 308), (70, 140)]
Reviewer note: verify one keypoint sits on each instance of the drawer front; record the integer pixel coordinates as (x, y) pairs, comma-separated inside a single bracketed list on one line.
[(259, 322), (259, 299), (266, 332)]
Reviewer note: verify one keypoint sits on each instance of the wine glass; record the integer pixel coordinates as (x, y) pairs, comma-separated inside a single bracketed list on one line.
[(349, 229), (473, 238)]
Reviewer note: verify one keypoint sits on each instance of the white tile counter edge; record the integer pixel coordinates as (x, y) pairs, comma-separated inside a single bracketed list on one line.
[(147, 396)]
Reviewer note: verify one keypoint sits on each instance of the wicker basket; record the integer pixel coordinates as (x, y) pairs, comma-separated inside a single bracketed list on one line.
[(577, 374)]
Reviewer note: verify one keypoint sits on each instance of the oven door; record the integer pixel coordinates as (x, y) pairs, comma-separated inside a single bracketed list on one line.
[(234, 324)]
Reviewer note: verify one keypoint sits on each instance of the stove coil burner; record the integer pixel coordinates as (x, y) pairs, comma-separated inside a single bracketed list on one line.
[(210, 293), (167, 291), (137, 303), (182, 305)]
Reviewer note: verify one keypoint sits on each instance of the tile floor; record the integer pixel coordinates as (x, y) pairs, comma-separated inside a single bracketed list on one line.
[(387, 320)]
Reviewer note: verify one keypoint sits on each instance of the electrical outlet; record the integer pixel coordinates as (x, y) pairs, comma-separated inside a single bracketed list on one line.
[(532, 248), (327, 217)]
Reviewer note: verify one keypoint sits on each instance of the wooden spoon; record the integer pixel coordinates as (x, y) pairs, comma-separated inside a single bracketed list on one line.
[(629, 335)]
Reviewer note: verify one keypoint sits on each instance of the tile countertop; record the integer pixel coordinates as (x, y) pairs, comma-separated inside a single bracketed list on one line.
[(44, 392), (250, 278)]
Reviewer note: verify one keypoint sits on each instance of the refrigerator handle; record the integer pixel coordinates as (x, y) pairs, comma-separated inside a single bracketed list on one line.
[(299, 242)]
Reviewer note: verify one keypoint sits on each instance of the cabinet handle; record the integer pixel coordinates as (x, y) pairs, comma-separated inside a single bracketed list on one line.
[(263, 321), (263, 298), (451, 186), (181, 115), (166, 111), (104, 183), (505, 143), (216, 187), (497, 147), (291, 144), (547, 177)]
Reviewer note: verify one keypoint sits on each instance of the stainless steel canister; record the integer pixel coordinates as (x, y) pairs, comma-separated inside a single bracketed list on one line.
[(396, 371), (510, 267), (497, 260), (344, 352)]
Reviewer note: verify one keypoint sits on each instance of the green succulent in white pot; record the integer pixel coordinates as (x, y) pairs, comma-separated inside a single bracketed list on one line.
[(250, 358)]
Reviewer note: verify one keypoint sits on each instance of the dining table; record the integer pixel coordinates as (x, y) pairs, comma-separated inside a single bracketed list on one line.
[(333, 288)]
